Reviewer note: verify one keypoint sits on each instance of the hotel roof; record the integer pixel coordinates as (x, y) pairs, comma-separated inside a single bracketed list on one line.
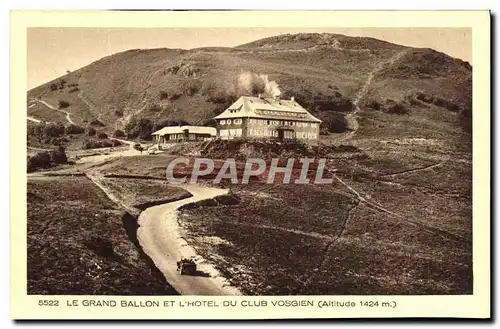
[(267, 108), (191, 129)]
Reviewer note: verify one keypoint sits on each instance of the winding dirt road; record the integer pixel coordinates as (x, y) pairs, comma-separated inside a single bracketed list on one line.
[(160, 235), (50, 106), (33, 119), (161, 239)]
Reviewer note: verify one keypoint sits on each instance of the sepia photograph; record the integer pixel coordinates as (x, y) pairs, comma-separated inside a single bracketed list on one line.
[(249, 161)]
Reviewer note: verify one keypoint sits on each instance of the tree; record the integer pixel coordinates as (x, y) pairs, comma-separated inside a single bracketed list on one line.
[(90, 131), (53, 129), (102, 135), (142, 128), (63, 104), (119, 133)]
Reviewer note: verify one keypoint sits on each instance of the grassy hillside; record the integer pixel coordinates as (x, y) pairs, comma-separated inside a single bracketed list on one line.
[(323, 71)]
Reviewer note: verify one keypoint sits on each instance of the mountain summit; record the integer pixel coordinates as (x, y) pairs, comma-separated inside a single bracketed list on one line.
[(328, 74)]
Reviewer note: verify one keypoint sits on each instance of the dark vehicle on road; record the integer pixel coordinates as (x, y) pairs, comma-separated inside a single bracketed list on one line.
[(138, 147), (186, 266)]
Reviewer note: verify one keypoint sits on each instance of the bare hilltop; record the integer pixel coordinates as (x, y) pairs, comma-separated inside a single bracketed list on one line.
[(324, 72)]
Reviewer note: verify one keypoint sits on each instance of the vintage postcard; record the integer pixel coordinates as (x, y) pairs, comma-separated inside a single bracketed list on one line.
[(250, 165)]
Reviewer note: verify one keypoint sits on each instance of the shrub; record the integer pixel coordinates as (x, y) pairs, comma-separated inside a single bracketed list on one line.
[(334, 122), (73, 129), (46, 159), (63, 104), (190, 88), (373, 104), (102, 135), (155, 108), (94, 144), (393, 107), (90, 131), (425, 98), (116, 143), (53, 86), (37, 161), (174, 96), (53, 129), (163, 95), (119, 133), (96, 123), (100, 246), (465, 120), (142, 128), (57, 141), (58, 156), (119, 113)]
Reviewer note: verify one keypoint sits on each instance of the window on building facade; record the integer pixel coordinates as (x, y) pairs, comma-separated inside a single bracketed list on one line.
[(223, 122), (228, 121)]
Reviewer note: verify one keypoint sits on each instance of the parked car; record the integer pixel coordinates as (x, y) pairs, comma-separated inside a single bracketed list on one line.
[(186, 266)]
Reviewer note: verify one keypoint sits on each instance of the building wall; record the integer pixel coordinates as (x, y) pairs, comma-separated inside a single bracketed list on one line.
[(170, 138), (263, 128), (232, 128)]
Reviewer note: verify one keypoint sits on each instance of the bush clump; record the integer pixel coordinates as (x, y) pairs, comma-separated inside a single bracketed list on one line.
[(333, 122), (142, 128), (97, 123), (102, 247), (119, 133), (73, 129), (155, 108), (46, 159), (90, 131), (102, 135), (393, 107), (163, 95), (100, 143), (63, 104), (389, 106)]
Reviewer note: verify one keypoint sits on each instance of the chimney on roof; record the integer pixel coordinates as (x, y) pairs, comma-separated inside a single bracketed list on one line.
[(292, 99), (260, 95)]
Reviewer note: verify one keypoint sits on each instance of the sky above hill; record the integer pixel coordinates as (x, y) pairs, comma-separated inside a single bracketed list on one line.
[(53, 51)]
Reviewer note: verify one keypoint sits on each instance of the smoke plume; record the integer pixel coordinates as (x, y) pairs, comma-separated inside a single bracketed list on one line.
[(254, 84)]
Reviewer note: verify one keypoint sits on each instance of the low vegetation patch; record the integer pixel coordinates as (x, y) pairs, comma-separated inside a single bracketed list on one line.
[(144, 193), (46, 159), (63, 104), (241, 149), (100, 143), (81, 243), (389, 106)]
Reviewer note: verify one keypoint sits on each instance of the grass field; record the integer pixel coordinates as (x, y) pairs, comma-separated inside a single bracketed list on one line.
[(79, 242), (312, 240), (144, 193), (153, 166)]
